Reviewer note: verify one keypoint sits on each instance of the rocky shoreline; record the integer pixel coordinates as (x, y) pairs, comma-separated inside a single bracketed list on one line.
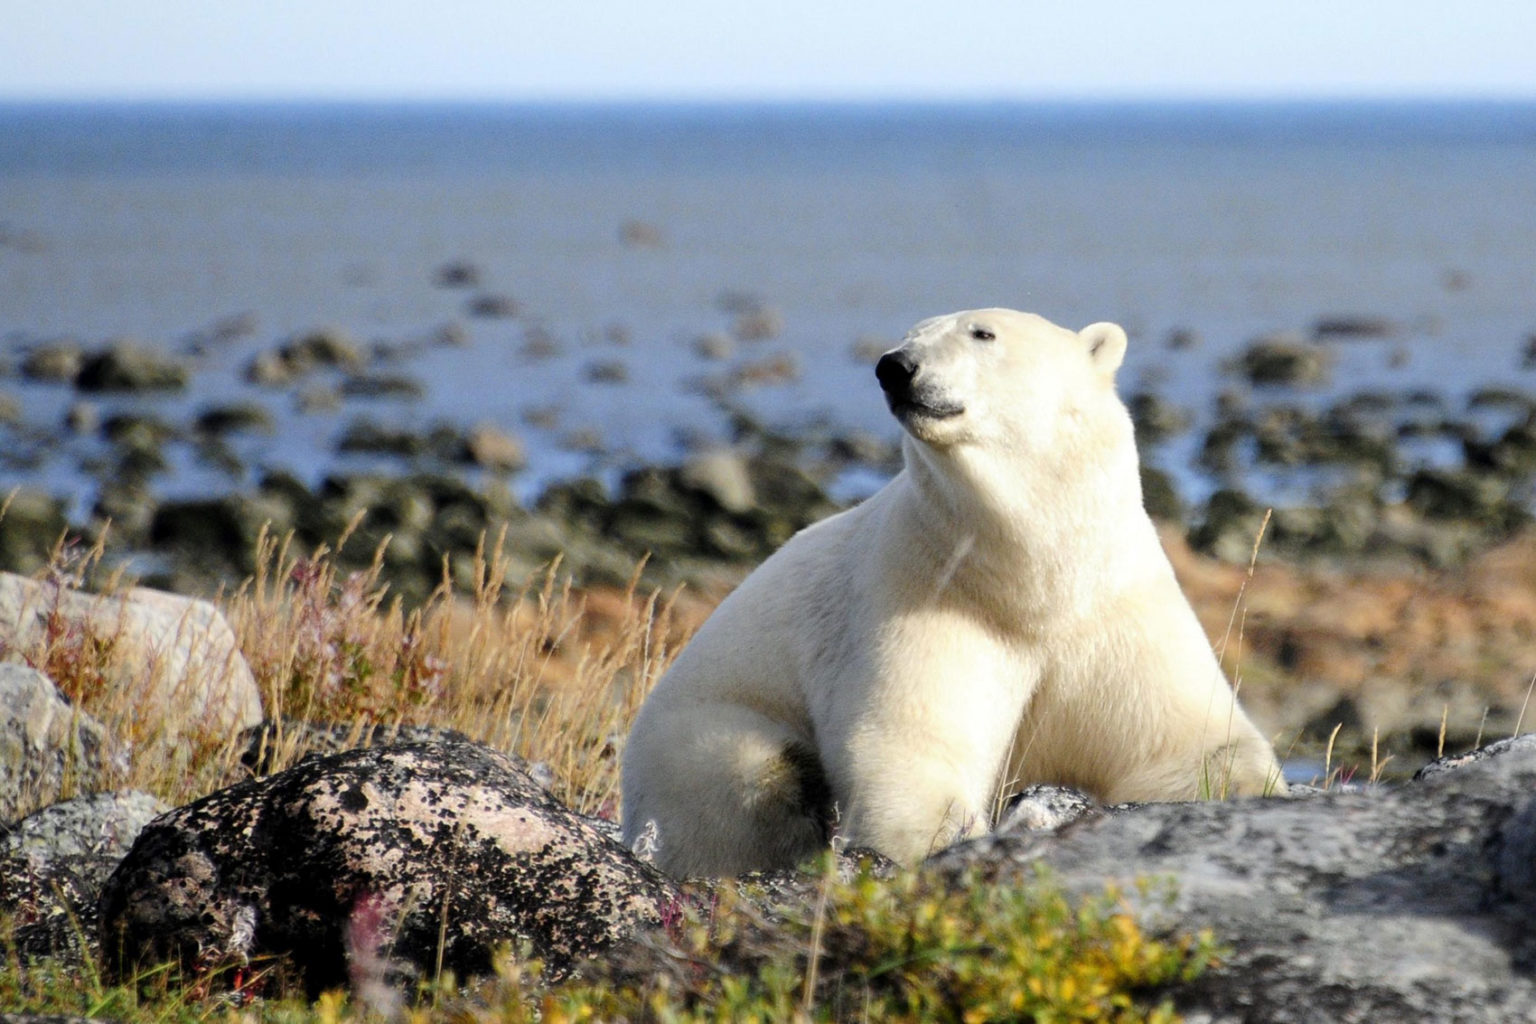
[(1423, 564)]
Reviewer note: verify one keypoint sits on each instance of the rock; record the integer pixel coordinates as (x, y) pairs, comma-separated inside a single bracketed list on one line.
[(607, 371), (31, 524), (641, 235), (758, 324), (53, 865), (48, 747), (1042, 807), (1524, 744), (278, 740), (722, 476), (1354, 327), (1283, 359), (456, 274), (1463, 494), (1156, 418), (320, 348), (383, 385), (365, 435), (236, 418), (10, 410), (56, 362), (492, 307), (219, 534), (1407, 904), (1230, 527), (173, 659), (363, 859), (82, 418), (714, 346), (1182, 338), (131, 366), (1160, 495), (490, 447)]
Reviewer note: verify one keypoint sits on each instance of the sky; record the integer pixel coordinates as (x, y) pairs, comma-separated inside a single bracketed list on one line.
[(542, 50)]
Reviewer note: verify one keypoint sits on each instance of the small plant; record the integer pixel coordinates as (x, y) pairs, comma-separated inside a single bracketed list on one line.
[(916, 947)]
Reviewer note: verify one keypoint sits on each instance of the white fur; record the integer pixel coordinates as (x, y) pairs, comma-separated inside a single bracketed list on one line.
[(1000, 614)]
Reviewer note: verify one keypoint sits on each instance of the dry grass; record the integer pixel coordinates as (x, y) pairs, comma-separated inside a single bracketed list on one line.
[(531, 667)]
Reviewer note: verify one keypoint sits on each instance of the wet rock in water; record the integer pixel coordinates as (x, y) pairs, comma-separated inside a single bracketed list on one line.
[(1157, 419), (173, 659), (236, 418), (450, 335), (869, 349), (1511, 455), (53, 865), (779, 368), (317, 349), (1220, 452), (1183, 338), (714, 346), (82, 418), (129, 506), (48, 747), (366, 435), (1501, 398), (389, 861), (1285, 360), (456, 274), (758, 324), (31, 523), (1464, 494), (131, 366), (1160, 496), (488, 446), (722, 477), (493, 307), (383, 385), (1230, 526), (54, 362), (1342, 327), (539, 344), (1411, 903), (219, 534), (222, 331), (10, 409), (641, 235), (608, 371), (138, 430)]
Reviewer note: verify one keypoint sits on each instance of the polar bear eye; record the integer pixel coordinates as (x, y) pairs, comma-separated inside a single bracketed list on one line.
[(982, 334)]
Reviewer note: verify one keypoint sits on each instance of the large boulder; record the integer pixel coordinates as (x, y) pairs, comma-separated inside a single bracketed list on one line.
[(1406, 904), (172, 662), (53, 865), (47, 745), (363, 861)]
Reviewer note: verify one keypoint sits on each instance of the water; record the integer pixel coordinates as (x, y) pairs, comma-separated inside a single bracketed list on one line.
[(850, 223)]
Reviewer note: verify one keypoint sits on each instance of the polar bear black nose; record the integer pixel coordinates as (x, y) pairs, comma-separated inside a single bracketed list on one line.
[(895, 371)]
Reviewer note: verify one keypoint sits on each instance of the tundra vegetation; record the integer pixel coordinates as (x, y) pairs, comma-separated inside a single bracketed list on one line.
[(554, 675)]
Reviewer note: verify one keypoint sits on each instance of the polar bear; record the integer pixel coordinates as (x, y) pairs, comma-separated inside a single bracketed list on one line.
[(1001, 613)]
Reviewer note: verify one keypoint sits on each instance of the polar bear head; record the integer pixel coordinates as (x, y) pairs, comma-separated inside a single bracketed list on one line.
[(998, 378)]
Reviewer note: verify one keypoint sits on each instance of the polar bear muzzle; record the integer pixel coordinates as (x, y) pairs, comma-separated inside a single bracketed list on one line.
[(897, 372)]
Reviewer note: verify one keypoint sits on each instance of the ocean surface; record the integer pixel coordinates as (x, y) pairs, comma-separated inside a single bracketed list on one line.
[(625, 233)]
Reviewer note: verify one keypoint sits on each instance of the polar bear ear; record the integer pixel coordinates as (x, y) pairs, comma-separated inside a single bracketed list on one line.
[(1106, 346)]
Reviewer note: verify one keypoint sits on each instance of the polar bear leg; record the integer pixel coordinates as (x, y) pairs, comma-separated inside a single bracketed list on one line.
[(720, 789)]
